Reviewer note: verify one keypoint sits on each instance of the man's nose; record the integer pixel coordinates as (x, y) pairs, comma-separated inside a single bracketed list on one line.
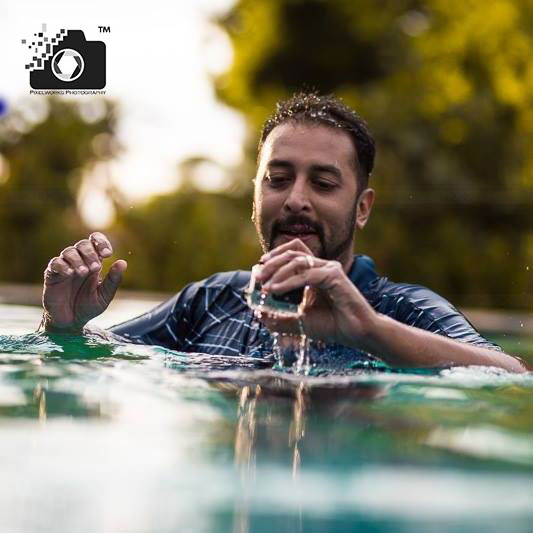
[(298, 198)]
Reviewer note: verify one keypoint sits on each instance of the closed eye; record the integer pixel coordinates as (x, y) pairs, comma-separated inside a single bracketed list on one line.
[(324, 185), (277, 181)]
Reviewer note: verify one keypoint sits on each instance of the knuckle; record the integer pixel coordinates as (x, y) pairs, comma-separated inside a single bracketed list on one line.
[(99, 239), (68, 251), (91, 252), (291, 254), (50, 264), (84, 243)]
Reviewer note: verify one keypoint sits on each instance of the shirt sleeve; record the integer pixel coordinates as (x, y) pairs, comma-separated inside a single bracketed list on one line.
[(166, 325), (422, 308)]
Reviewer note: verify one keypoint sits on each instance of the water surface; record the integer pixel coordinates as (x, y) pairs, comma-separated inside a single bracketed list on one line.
[(106, 437)]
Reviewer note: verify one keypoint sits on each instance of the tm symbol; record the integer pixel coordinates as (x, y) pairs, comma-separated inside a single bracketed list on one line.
[(104, 29)]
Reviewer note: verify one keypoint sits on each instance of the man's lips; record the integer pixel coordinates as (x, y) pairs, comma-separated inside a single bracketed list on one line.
[(299, 231), (302, 236)]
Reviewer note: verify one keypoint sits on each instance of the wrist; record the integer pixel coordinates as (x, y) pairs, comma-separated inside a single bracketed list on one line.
[(49, 326), (370, 337)]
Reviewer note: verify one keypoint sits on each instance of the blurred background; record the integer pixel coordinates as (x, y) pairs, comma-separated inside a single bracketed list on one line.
[(163, 163)]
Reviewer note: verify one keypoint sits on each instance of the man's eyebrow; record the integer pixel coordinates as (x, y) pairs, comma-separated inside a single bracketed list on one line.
[(332, 169), (279, 163)]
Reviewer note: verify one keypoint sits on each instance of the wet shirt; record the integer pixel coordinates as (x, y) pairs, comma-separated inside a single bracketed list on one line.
[(212, 317)]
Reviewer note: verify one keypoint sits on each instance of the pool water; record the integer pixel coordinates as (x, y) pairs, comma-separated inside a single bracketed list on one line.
[(105, 437)]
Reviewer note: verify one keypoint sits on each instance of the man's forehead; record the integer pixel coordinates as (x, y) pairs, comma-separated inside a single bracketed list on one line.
[(295, 141)]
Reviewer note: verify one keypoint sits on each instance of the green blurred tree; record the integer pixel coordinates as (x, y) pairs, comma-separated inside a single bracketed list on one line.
[(447, 89), (44, 154), (180, 237)]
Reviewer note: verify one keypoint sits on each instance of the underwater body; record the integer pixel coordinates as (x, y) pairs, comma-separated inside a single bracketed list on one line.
[(106, 436)]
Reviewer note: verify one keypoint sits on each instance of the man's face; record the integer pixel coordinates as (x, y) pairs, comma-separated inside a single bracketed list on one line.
[(306, 188)]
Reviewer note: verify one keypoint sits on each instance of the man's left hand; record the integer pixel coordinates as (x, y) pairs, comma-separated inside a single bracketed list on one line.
[(335, 312)]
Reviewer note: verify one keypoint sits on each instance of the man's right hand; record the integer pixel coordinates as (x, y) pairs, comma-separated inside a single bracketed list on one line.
[(74, 292)]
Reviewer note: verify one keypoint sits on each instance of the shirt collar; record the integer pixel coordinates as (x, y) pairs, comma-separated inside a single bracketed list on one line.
[(362, 271)]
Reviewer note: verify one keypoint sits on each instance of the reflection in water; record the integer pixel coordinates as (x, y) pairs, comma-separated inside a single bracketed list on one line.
[(245, 437), (245, 446), (39, 396), (245, 453), (206, 443), (261, 413), (297, 428)]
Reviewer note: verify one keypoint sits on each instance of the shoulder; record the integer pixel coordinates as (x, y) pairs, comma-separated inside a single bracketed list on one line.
[(402, 298), (190, 302), (418, 306), (396, 299), (417, 295), (227, 286), (414, 305), (235, 279)]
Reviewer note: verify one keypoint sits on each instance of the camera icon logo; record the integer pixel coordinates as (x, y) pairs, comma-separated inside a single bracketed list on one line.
[(66, 60), (67, 65)]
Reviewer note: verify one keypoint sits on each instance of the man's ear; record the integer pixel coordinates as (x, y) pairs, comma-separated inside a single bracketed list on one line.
[(364, 207)]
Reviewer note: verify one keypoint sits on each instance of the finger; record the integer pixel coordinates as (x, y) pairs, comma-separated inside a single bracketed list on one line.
[(295, 266), (101, 244), (57, 269), (320, 277), (89, 255), (111, 282), (273, 264), (295, 244), (73, 258)]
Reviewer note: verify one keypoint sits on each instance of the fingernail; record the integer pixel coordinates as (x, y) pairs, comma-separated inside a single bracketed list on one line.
[(105, 251), (69, 271), (95, 266)]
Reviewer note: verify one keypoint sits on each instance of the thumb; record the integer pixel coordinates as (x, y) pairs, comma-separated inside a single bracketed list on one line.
[(110, 283)]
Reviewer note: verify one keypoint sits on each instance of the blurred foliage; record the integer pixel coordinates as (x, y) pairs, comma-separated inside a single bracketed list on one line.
[(447, 89), (45, 147), (184, 236)]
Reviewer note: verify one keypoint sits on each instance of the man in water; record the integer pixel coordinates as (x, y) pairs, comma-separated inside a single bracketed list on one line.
[(311, 196)]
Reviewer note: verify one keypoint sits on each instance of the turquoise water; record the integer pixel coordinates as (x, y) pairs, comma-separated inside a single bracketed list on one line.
[(108, 437)]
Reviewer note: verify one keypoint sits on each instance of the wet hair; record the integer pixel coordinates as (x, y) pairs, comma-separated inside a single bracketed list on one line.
[(328, 110)]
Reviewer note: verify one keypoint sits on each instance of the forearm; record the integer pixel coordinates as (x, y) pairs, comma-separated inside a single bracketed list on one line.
[(409, 347)]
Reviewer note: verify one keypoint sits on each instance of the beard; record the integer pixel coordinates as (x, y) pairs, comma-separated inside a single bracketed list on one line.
[(328, 250)]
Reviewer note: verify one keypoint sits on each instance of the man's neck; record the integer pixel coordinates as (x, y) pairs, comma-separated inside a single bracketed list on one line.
[(347, 261)]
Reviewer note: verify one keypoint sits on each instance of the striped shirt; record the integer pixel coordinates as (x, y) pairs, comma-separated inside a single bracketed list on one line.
[(212, 317)]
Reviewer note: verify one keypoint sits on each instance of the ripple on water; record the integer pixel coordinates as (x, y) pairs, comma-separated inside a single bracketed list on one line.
[(186, 439)]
